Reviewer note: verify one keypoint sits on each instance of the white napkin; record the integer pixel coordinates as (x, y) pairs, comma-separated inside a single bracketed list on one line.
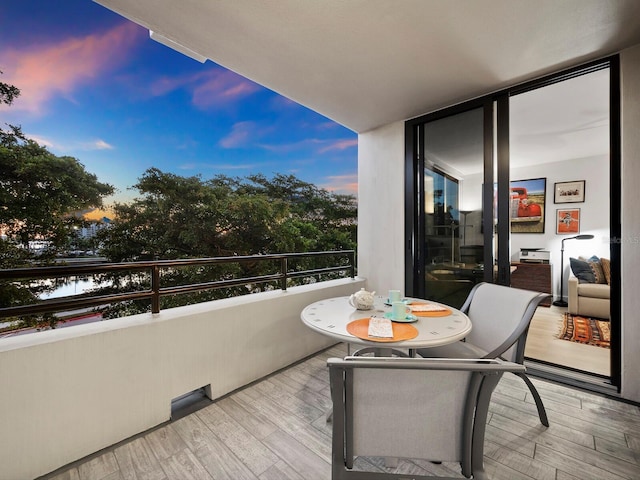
[(427, 307), (380, 327)]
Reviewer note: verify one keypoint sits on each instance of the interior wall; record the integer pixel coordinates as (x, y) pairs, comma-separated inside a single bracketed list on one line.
[(381, 207), (630, 241), (594, 211)]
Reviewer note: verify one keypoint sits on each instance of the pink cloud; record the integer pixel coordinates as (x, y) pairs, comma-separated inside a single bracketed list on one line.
[(322, 146), (241, 134), (40, 140), (221, 88), (340, 145), (283, 102), (208, 89), (342, 184), (44, 71), (164, 85), (327, 126), (291, 147)]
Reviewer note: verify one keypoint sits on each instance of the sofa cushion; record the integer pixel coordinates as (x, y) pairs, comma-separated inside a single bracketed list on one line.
[(582, 270), (594, 290), (606, 268), (596, 268)]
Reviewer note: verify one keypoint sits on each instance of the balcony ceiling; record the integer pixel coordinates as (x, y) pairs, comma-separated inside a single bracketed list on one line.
[(367, 63)]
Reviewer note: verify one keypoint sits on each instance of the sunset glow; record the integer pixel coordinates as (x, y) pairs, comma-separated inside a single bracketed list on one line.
[(95, 86)]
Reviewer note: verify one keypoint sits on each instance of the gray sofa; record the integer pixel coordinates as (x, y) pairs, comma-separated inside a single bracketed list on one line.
[(589, 299)]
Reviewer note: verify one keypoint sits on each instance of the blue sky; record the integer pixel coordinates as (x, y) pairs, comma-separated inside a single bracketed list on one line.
[(96, 87)]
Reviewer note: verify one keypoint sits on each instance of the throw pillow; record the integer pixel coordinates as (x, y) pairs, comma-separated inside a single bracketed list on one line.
[(606, 268), (582, 271), (596, 268)]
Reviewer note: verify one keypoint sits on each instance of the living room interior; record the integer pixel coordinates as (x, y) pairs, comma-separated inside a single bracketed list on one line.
[(559, 149)]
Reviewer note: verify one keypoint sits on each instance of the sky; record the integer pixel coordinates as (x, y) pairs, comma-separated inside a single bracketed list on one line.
[(94, 86)]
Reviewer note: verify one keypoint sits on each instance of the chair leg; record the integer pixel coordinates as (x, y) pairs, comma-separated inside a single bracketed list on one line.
[(542, 413), (381, 352)]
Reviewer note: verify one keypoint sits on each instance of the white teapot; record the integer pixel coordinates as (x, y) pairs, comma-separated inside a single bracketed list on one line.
[(362, 300)]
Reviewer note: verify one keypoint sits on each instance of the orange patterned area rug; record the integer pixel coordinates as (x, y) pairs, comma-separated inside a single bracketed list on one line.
[(591, 331)]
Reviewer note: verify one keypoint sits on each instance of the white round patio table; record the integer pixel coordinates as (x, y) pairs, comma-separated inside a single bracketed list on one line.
[(331, 316)]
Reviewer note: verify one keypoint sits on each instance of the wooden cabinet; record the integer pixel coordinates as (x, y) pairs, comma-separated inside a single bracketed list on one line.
[(533, 276)]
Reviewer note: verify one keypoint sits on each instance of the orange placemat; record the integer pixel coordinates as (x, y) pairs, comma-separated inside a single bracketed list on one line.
[(437, 313), (401, 331)]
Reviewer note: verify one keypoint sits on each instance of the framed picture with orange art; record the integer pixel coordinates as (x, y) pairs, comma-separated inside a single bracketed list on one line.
[(567, 221)]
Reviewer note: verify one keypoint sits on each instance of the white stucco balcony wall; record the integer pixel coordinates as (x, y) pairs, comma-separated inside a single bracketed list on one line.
[(70, 392)]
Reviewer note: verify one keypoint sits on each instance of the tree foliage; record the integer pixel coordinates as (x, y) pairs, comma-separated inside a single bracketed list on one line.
[(8, 93), (39, 191), (40, 194), (188, 217)]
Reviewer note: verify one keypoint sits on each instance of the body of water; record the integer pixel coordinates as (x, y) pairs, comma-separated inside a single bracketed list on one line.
[(75, 287)]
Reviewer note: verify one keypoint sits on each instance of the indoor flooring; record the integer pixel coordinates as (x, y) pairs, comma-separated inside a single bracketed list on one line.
[(276, 429), (543, 344)]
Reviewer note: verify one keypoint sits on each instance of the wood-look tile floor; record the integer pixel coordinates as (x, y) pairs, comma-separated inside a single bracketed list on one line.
[(276, 430)]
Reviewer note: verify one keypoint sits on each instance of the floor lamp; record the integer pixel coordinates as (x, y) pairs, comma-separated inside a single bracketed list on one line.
[(560, 302), (463, 235)]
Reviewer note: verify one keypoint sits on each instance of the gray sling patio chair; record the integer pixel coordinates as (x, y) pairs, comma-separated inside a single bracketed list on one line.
[(500, 317), (415, 408)]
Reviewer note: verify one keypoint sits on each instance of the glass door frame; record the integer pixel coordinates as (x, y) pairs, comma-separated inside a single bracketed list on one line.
[(499, 102), (415, 189)]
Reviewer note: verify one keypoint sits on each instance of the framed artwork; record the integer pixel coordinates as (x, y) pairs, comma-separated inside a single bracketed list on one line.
[(528, 205), (567, 221), (569, 192)]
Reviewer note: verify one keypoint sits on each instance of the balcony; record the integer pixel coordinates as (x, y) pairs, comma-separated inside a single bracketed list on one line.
[(73, 391), (276, 429), (95, 401)]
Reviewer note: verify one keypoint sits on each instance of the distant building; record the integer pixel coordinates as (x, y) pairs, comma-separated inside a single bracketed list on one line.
[(94, 227)]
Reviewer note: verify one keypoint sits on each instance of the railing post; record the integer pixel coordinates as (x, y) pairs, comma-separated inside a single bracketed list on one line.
[(284, 268), (352, 259), (155, 288)]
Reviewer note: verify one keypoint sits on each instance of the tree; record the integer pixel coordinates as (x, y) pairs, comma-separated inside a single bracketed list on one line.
[(8, 93), (188, 217), (40, 192), (40, 195), (175, 217), (317, 219)]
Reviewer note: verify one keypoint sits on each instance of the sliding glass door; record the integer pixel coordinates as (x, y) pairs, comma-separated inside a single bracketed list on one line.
[(449, 168), (497, 186), (560, 132)]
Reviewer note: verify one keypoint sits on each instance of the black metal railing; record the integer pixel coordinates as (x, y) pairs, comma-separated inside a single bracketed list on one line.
[(154, 269)]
